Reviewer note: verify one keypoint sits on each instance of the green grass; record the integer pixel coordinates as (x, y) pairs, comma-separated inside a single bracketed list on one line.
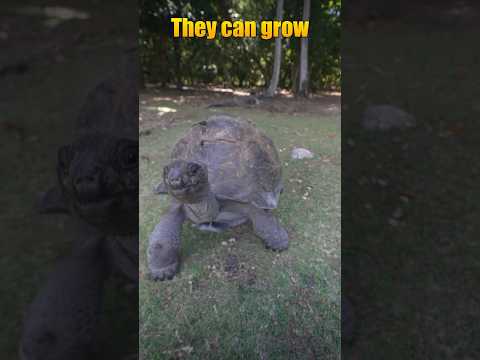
[(282, 306)]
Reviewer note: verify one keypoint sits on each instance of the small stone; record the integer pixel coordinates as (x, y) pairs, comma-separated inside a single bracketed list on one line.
[(382, 182), (224, 243), (232, 240), (301, 153), (398, 213), (187, 349), (386, 117), (405, 199), (64, 13), (393, 222)]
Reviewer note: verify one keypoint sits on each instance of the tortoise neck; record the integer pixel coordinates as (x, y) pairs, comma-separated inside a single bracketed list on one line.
[(205, 210)]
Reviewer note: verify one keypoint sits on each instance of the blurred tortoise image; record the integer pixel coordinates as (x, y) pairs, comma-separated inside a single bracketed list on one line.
[(224, 172), (97, 185)]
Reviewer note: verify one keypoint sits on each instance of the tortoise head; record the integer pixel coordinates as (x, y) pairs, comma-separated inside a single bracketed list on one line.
[(98, 178), (186, 181)]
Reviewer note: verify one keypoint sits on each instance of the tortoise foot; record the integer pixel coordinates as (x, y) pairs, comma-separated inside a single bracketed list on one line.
[(164, 273)]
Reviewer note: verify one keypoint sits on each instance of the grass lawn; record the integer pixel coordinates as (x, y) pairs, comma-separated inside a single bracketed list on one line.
[(233, 299)]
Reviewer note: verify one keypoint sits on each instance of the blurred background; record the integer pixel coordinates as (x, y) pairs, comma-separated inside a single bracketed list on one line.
[(53, 54)]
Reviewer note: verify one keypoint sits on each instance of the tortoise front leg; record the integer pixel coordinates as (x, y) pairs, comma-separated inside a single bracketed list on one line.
[(164, 245), (267, 227), (160, 189)]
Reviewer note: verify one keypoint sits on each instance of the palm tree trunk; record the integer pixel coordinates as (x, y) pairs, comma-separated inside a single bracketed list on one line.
[(277, 60), (303, 76)]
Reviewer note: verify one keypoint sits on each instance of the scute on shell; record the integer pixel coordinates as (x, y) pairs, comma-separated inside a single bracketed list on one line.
[(112, 106), (243, 164)]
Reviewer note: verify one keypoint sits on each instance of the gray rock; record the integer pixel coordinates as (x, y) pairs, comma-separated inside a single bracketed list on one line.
[(301, 153), (386, 117)]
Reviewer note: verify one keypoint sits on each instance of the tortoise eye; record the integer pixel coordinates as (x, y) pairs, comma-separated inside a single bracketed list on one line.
[(128, 154), (193, 169), (130, 157)]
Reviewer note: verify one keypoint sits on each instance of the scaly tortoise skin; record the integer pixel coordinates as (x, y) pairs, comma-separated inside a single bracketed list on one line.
[(222, 173)]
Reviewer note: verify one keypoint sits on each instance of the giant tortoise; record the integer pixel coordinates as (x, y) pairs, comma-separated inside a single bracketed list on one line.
[(224, 172)]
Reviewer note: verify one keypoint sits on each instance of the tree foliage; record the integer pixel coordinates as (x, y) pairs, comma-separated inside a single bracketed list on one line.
[(236, 62)]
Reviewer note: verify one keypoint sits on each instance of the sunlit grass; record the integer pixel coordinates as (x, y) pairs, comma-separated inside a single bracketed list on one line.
[(275, 306)]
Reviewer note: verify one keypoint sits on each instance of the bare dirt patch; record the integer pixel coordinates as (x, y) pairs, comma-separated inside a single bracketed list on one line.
[(160, 107)]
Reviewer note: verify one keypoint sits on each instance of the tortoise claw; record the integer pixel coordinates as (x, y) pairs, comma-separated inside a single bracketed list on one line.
[(277, 247), (165, 273)]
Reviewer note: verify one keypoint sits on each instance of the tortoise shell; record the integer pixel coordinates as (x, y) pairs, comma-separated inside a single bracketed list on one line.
[(243, 164), (112, 106)]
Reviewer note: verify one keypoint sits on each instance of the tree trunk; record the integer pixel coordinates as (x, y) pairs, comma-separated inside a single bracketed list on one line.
[(303, 75), (277, 60), (295, 69), (178, 60)]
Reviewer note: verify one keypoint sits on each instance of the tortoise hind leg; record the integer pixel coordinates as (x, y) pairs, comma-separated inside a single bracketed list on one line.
[(164, 245), (267, 227)]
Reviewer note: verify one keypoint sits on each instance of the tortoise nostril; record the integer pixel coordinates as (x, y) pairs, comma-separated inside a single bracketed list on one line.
[(174, 180), (174, 177), (87, 187), (89, 177)]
